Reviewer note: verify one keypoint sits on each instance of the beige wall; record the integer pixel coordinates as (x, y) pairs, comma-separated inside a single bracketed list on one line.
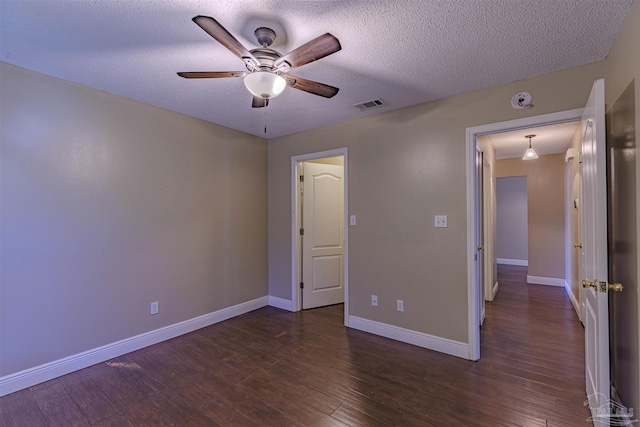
[(545, 208), (109, 204), (405, 167)]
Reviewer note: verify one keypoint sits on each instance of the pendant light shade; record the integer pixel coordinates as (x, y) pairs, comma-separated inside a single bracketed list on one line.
[(264, 84), (530, 154)]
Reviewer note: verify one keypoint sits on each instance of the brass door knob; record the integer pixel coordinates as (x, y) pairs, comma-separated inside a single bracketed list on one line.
[(480, 248), (616, 287), (588, 284), (577, 245)]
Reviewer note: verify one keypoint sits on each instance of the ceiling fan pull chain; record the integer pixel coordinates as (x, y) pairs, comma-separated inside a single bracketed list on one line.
[(265, 115)]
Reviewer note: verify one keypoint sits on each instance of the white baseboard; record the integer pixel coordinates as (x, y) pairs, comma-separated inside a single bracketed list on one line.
[(48, 371), (573, 299), (508, 261), (494, 291), (549, 281), (284, 304), (443, 345)]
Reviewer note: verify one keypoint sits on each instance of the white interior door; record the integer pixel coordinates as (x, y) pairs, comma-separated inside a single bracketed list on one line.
[(596, 317), (479, 236), (323, 238)]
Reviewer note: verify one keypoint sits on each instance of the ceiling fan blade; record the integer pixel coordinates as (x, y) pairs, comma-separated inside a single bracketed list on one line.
[(259, 102), (310, 86), (211, 74), (224, 37), (311, 51)]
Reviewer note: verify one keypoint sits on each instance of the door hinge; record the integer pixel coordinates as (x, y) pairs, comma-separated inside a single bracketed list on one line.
[(301, 178), (301, 285), (302, 231)]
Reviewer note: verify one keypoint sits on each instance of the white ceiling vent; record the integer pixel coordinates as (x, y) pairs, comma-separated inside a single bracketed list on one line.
[(367, 105)]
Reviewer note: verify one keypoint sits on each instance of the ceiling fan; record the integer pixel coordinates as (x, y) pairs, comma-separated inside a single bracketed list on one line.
[(267, 72)]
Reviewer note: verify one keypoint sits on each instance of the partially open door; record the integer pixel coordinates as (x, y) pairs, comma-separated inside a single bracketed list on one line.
[(596, 313), (323, 235)]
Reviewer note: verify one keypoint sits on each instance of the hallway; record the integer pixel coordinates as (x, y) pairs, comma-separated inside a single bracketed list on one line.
[(533, 342)]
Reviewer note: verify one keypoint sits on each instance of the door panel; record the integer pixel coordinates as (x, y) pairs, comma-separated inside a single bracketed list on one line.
[(323, 239), (596, 317), (326, 272), (623, 254)]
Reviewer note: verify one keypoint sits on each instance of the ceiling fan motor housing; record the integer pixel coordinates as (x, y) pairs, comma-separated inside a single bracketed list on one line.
[(266, 57)]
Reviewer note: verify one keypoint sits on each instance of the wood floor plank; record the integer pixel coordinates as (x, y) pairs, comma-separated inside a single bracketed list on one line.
[(300, 392), (177, 410), (225, 414), (58, 407), (292, 404), (271, 367), (90, 399), (115, 420), (21, 409), (354, 417)]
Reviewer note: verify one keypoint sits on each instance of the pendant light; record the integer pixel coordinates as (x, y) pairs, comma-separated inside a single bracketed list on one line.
[(530, 154)]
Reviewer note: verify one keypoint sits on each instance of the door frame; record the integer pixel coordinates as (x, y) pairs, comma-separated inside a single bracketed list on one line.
[(471, 134), (295, 225)]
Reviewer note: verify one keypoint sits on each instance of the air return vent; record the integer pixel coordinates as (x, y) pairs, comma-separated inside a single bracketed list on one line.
[(368, 105)]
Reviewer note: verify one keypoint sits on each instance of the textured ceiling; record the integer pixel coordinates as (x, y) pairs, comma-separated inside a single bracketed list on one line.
[(406, 51)]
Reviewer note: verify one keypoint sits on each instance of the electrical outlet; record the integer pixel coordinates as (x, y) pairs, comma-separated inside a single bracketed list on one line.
[(154, 307), (400, 305), (374, 300)]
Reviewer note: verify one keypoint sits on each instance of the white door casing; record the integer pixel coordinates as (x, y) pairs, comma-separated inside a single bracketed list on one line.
[(323, 239), (596, 317)]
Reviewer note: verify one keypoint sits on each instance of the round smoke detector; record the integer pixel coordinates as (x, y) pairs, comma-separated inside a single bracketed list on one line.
[(521, 100)]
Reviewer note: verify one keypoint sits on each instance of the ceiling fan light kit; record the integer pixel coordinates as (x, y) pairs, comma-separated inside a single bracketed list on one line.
[(265, 84)]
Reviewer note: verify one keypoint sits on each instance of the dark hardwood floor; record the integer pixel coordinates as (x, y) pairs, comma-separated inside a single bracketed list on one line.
[(275, 368)]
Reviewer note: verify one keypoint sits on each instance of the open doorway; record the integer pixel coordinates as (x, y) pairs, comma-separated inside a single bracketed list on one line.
[(319, 235), (477, 286)]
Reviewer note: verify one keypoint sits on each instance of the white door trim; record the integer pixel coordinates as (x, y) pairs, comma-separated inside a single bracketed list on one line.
[(472, 133), (295, 182)]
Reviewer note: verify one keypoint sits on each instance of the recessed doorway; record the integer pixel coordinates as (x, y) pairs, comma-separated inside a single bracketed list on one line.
[(319, 235)]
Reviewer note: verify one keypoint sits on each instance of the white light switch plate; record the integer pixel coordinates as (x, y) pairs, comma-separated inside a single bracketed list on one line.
[(352, 220), (440, 221)]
